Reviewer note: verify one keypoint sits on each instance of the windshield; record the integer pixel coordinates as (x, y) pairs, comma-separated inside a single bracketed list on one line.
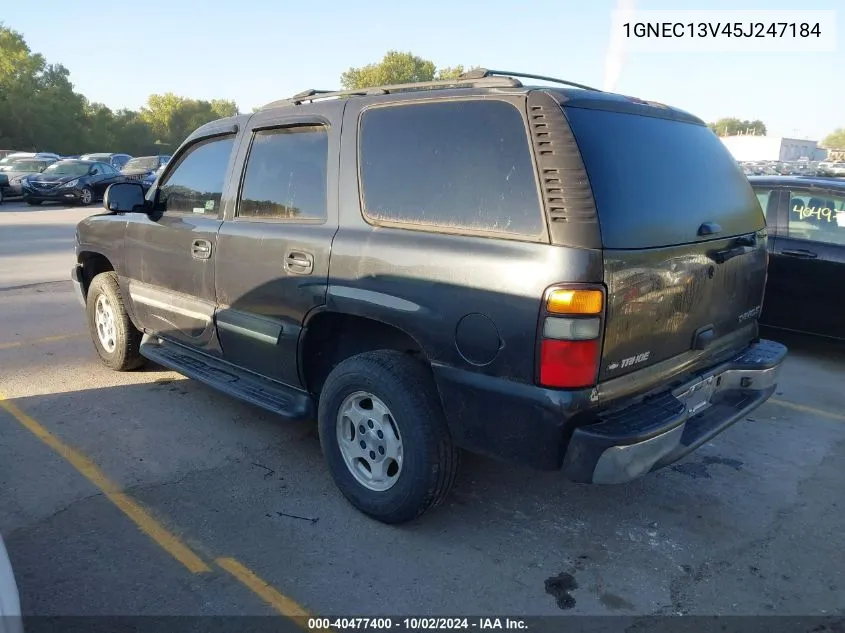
[(25, 165), (67, 169), (104, 157), (148, 163)]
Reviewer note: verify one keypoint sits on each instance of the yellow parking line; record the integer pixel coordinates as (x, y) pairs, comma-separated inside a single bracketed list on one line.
[(140, 517), (39, 341), (805, 409), (280, 602)]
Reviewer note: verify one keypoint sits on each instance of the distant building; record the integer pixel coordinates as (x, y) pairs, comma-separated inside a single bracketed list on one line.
[(756, 148)]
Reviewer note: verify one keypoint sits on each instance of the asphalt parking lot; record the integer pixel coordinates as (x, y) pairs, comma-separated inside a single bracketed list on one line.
[(147, 493)]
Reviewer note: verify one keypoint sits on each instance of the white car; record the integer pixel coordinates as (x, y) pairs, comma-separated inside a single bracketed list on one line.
[(10, 606), (14, 156)]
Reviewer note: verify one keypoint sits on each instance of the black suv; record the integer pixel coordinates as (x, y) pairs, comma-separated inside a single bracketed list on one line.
[(554, 275)]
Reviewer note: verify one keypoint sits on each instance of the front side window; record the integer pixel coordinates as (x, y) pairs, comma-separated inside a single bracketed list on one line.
[(196, 184), (817, 216), (462, 165), (285, 176)]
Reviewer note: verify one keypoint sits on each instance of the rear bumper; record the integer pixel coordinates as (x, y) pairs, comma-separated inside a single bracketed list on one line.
[(628, 442)]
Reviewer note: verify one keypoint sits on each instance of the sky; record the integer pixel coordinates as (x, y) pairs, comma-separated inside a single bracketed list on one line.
[(257, 51)]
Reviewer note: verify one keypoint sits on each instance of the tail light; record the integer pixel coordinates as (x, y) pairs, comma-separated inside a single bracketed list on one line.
[(570, 337)]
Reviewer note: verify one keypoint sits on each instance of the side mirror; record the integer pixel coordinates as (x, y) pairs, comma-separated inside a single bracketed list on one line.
[(125, 197)]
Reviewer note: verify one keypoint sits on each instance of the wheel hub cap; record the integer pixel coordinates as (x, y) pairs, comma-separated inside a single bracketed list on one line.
[(369, 441), (106, 324)]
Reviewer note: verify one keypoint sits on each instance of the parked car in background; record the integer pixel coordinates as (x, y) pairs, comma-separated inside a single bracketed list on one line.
[(13, 174), (831, 168), (115, 160), (16, 155), (75, 181), (806, 219), (150, 179), (142, 166)]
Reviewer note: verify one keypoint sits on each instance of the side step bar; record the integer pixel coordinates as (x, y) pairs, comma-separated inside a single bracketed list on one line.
[(262, 392)]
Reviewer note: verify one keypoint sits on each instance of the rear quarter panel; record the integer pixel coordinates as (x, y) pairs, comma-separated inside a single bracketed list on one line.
[(470, 302)]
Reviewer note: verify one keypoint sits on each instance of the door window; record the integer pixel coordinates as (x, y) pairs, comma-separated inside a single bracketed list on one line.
[(817, 216), (196, 183), (285, 176)]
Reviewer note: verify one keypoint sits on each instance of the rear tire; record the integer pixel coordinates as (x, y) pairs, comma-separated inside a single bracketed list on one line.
[(385, 403), (116, 340)]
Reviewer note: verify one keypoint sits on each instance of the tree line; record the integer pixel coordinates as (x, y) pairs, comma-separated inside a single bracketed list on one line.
[(40, 110)]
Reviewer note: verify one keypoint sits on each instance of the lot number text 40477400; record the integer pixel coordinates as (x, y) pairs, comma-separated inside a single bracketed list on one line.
[(417, 624)]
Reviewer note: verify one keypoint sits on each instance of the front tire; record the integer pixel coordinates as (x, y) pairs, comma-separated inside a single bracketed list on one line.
[(384, 436), (86, 197), (116, 340)]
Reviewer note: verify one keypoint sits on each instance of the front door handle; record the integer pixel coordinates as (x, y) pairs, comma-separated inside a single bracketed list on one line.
[(200, 249), (299, 262), (800, 252)]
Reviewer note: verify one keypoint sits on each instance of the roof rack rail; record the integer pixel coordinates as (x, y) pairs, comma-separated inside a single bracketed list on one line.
[(483, 73), (311, 95)]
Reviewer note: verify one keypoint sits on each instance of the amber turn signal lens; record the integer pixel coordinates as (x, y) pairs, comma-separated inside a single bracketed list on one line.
[(574, 302)]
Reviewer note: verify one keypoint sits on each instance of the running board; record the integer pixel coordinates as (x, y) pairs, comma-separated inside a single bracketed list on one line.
[(244, 385)]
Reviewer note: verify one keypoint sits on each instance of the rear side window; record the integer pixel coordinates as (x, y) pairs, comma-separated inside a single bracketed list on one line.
[(195, 185), (462, 165), (285, 176), (817, 216), (656, 181)]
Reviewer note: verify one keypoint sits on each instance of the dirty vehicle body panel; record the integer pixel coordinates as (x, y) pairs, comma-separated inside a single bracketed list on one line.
[(377, 261)]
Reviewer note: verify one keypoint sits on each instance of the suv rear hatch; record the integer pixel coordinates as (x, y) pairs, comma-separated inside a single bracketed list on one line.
[(683, 235)]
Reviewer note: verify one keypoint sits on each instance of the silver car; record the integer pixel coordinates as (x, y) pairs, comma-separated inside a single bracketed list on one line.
[(19, 169)]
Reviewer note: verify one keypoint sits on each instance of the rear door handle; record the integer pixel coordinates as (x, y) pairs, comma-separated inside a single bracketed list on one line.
[(800, 252), (299, 262), (200, 249)]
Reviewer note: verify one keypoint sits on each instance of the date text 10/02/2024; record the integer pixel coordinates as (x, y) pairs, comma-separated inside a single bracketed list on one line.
[(416, 624)]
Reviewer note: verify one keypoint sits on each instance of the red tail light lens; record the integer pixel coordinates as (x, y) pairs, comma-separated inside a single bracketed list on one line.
[(569, 364)]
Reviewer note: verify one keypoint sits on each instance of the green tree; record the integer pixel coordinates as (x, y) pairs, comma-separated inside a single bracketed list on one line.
[(40, 110), (172, 118), (38, 106), (396, 68), (732, 126), (835, 140)]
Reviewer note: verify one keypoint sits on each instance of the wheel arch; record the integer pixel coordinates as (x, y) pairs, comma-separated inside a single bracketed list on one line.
[(330, 337), (93, 263)]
